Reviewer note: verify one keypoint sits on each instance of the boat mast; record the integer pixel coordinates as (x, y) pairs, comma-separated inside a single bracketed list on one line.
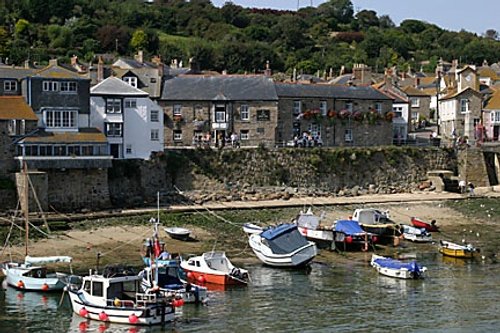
[(26, 203)]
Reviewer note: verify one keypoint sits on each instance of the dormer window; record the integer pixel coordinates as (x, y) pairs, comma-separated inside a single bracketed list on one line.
[(10, 85), (131, 80)]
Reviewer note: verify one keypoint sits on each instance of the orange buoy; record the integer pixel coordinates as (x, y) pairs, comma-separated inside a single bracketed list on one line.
[(20, 284), (45, 287)]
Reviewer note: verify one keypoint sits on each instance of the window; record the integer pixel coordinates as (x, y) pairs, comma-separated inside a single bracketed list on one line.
[(415, 102), (130, 103), (12, 126), (60, 119), (414, 115), (131, 80), (323, 108), (128, 149), (495, 116), (74, 150), (10, 85), (261, 130), (177, 110), (348, 106), (464, 105), (152, 80), (220, 113), (177, 135), (398, 111), (114, 129), (297, 108), (68, 86), (263, 115), (244, 136), (244, 114), (154, 116), (378, 107), (113, 105), (348, 135), (97, 289), (155, 135), (315, 130), (50, 86)]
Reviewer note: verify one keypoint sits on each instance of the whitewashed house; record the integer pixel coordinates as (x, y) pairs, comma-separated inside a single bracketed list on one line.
[(131, 121)]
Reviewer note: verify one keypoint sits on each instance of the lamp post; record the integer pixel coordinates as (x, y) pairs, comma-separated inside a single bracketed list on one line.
[(438, 84)]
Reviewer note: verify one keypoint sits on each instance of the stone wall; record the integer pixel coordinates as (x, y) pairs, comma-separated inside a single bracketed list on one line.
[(252, 174)]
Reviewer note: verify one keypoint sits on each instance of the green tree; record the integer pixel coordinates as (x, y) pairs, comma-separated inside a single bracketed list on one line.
[(139, 40)]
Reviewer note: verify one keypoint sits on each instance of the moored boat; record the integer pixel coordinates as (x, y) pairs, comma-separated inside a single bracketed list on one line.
[(178, 233), (349, 235), (396, 268), (214, 268), (378, 222), (457, 251), (283, 246), (116, 296), (309, 225), (418, 223), (414, 234)]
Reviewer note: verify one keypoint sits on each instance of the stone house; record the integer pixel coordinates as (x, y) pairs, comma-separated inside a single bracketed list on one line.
[(130, 120), (337, 115), (420, 102), (16, 120), (460, 106), (206, 110)]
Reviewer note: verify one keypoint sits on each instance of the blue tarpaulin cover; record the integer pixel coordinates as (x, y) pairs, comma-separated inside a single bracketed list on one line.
[(274, 232), (396, 264), (348, 227)]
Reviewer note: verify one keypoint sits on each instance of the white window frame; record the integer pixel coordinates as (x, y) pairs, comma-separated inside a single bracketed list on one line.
[(244, 135), (348, 135), (10, 85), (244, 112), (177, 110), (415, 102), (62, 119), (113, 105), (116, 130), (297, 108), (128, 149), (68, 86), (323, 108), (50, 86), (495, 116), (130, 103), (414, 115), (177, 135), (378, 107), (155, 134), (464, 105), (315, 129), (130, 80), (154, 116)]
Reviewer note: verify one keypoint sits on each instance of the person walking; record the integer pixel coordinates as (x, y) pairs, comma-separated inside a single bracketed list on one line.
[(462, 186), (471, 189)]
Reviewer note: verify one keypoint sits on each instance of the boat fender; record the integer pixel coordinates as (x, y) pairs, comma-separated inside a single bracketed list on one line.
[(133, 319), (20, 284), (83, 312), (45, 287), (103, 316), (117, 302)]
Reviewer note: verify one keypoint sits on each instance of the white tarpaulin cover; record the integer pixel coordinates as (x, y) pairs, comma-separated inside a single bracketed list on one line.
[(46, 260)]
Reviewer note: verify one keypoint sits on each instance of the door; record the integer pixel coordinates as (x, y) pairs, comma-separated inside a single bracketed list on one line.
[(115, 150), (496, 132)]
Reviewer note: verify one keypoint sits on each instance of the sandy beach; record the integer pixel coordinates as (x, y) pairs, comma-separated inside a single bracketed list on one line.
[(123, 243)]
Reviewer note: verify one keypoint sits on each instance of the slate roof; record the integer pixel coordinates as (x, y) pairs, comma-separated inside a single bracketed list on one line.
[(411, 91), (115, 86), (494, 102), (57, 72), (9, 72), (84, 135), (15, 107), (329, 91), (231, 87)]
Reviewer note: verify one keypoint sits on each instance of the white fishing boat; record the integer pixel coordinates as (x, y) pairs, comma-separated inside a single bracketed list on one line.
[(418, 235), (178, 233), (309, 225), (116, 297), (396, 268), (32, 275), (283, 246)]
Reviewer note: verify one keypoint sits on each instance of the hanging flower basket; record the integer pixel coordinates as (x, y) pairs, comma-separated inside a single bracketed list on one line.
[(314, 114), (373, 116), (199, 124), (331, 114), (358, 116), (177, 118), (389, 116), (344, 114)]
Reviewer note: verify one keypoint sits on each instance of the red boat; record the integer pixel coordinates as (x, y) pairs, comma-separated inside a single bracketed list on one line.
[(418, 223)]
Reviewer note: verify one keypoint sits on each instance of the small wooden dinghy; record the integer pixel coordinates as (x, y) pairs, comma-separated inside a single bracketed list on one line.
[(178, 233), (457, 251), (396, 268)]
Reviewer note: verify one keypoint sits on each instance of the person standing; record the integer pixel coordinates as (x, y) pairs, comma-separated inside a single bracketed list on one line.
[(471, 189), (462, 186)]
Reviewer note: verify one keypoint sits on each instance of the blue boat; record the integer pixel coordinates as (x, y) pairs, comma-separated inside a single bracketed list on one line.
[(348, 235), (396, 268)]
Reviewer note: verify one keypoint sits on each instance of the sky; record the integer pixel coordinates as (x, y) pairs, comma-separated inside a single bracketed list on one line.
[(471, 15)]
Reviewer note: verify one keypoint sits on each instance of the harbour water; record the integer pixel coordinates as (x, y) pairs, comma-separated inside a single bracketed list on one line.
[(339, 294)]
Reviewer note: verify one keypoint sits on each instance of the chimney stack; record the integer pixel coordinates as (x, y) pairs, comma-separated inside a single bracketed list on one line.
[(100, 69), (139, 57), (268, 71)]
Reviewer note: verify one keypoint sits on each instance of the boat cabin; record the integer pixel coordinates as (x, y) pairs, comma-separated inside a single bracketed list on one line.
[(109, 291), (213, 260), (36, 272), (371, 216), (284, 238)]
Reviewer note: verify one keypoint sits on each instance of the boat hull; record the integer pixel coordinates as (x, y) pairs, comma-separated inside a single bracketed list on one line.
[(456, 253), (421, 224), (396, 271), (299, 257), (222, 279), (15, 278), (322, 238), (150, 315)]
